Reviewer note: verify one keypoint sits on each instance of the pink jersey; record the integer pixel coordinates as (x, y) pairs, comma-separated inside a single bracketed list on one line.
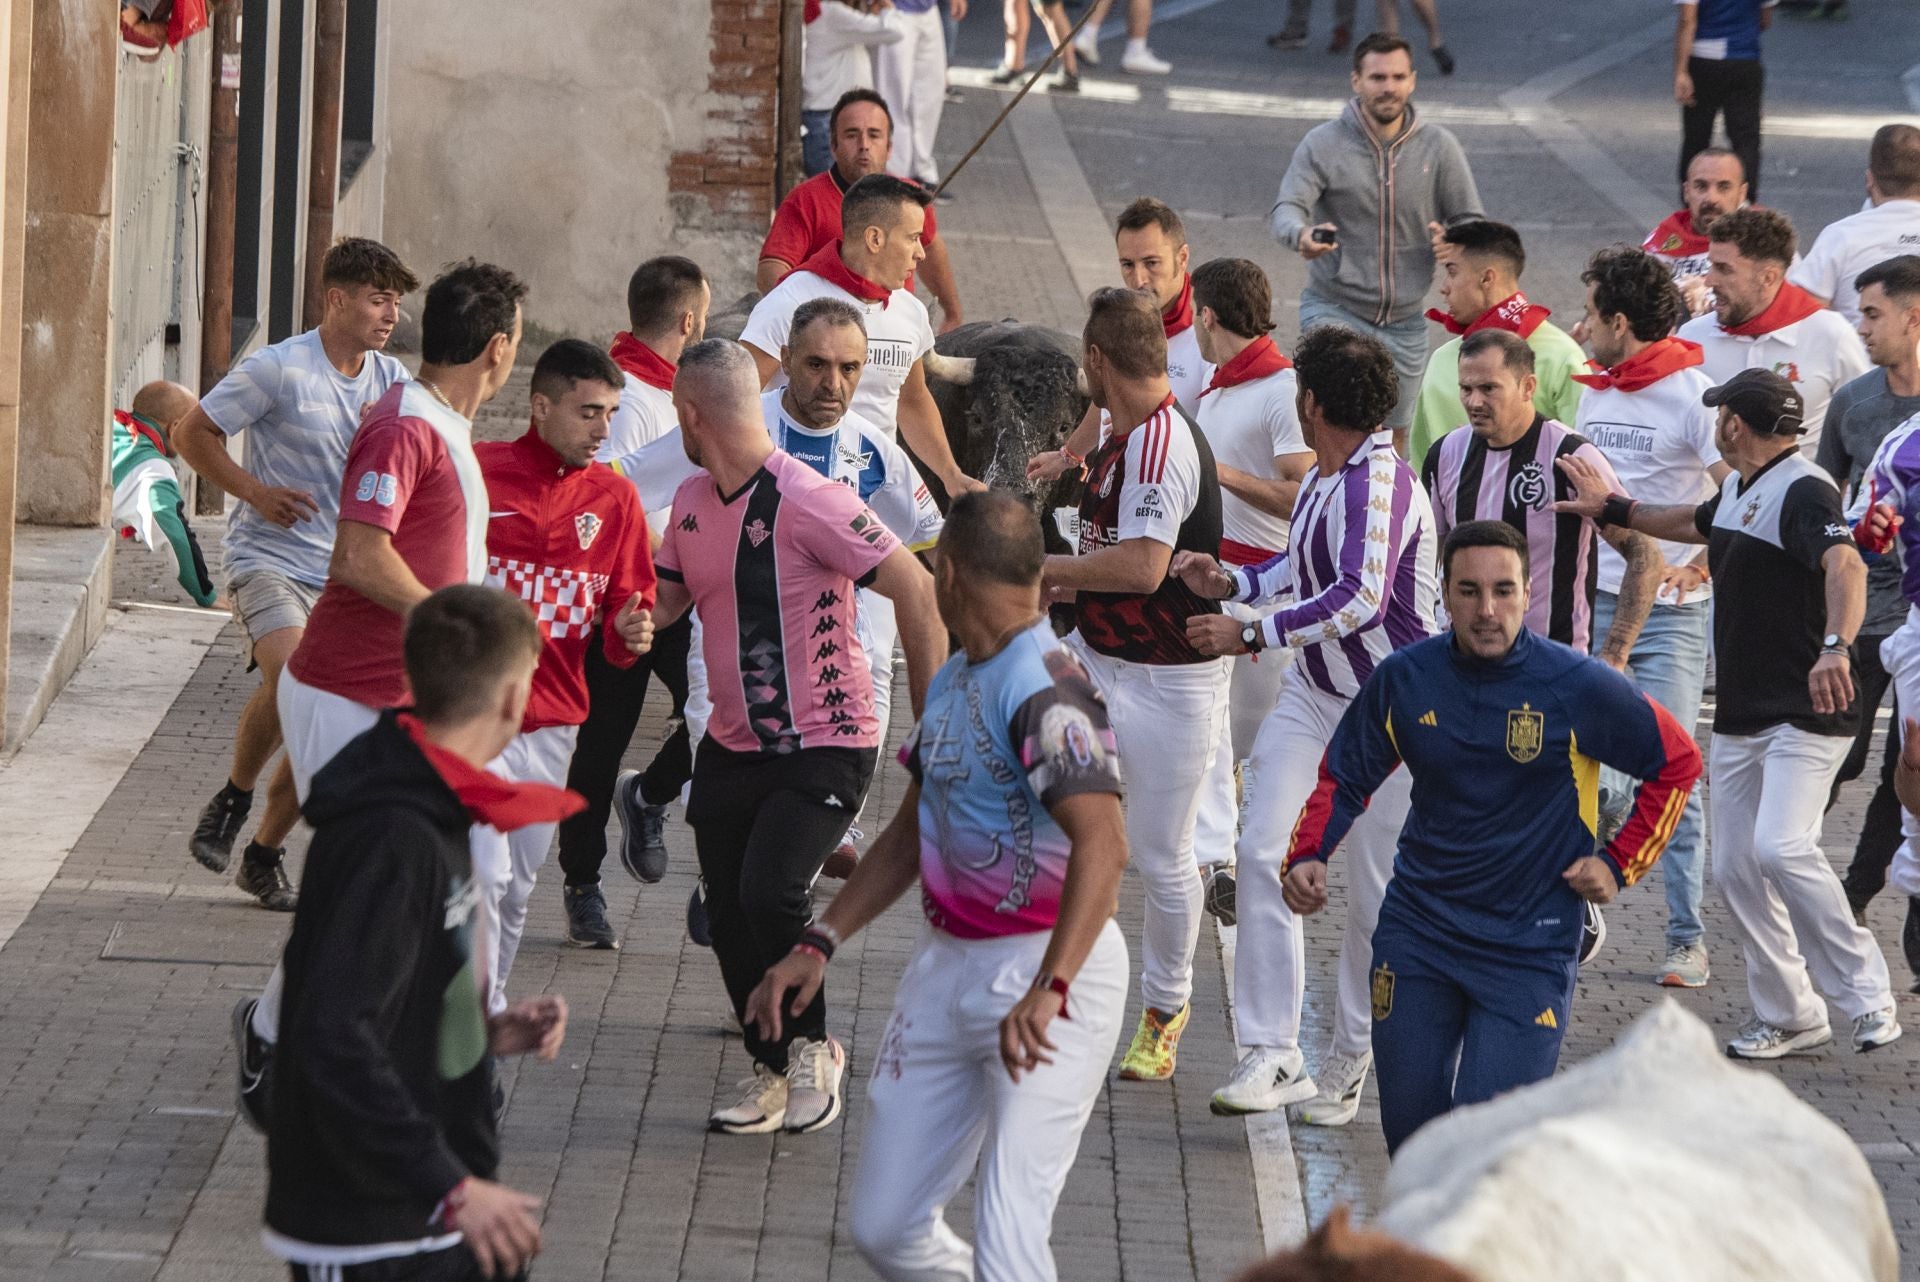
[(772, 568)]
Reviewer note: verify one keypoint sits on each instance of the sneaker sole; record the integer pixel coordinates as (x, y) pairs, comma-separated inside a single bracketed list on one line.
[(210, 858), (241, 1019), (772, 1122), (1791, 1048), (1864, 1047), (1339, 1116), (1297, 1093), (594, 945), (1673, 979), (1135, 1075), (834, 1093)]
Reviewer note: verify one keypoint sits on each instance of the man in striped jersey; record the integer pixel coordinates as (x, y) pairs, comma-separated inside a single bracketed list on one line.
[(1360, 569), (1500, 467)]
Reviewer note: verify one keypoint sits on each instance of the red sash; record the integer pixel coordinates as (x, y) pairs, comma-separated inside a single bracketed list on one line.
[(1790, 305), (1514, 314), (1645, 367), (1256, 360), (1675, 237), (641, 361), (826, 264), (504, 804), (1180, 315)]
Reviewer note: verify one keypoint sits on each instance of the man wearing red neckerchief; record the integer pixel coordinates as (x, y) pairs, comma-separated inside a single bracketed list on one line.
[(1481, 262), (667, 303), (1762, 321), (1643, 411), (1716, 184)]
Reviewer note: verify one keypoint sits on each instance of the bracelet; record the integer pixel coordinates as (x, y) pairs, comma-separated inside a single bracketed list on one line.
[(805, 946), (1841, 650), (1077, 460), (1617, 510), (819, 926), (817, 941)]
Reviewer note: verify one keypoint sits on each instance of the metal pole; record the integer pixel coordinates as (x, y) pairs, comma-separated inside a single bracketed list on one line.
[(323, 175), (1008, 109), (223, 164)]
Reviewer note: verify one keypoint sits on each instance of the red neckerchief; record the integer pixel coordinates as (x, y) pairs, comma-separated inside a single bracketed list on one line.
[(503, 804), (1790, 305), (140, 427), (1675, 237), (1645, 367), (826, 264), (1179, 316), (1514, 314), (1257, 359), (641, 361), (810, 11)]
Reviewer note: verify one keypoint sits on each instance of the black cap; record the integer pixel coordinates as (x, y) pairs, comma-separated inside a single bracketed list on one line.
[(1764, 400)]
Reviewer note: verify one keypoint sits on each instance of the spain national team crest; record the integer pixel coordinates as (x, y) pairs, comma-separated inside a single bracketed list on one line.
[(1382, 992), (1526, 729), (587, 526)]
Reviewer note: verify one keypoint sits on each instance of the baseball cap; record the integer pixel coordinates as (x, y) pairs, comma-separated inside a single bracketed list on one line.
[(1766, 401)]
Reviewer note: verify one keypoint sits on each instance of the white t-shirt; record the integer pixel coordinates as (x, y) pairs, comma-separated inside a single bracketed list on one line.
[(898, 335), (656, 470), (1248, 426), (644, 415), (862, 458), (1660, 442), (1816, 355), (836, 53), (1187, 371), (1849, 246)]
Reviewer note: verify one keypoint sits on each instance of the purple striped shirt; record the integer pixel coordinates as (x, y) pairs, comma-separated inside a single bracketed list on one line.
[(1360, 565)]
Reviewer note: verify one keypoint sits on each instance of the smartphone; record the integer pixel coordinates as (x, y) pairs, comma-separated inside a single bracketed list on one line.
[(1323, 235)]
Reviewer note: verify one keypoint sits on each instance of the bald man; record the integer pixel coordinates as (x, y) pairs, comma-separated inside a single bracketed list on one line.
[(147, 505)]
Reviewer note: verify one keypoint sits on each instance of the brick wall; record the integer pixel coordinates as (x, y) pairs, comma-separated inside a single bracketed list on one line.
[(733, 176)]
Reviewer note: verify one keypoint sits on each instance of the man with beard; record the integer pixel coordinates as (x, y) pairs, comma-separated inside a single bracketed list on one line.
[(1716, 184)]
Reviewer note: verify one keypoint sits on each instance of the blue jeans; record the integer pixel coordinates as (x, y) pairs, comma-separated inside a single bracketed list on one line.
[(1406, 340), (815, 152), (1669, 665)]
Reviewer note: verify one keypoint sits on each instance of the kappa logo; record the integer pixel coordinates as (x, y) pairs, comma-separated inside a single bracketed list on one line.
[(1429, 719), (690, 525), (586, 527), (1526, 731), (757, 533), (1547, 1019)]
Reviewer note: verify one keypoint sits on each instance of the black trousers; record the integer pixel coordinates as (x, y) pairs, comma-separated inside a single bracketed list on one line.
[(763, 824), (1730, 88), (455, 1264), (615, 697)]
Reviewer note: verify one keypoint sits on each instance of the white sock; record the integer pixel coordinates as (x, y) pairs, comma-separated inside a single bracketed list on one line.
[(1135, 47)]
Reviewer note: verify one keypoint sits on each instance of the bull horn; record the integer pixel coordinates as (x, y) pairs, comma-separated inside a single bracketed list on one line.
[(1080, 382), (957, 370)]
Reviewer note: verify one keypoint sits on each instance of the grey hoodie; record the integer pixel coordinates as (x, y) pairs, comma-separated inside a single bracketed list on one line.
[(1381, 195)]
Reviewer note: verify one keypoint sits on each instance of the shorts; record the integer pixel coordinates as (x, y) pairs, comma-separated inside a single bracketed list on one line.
[(315, 724), (266, 601)]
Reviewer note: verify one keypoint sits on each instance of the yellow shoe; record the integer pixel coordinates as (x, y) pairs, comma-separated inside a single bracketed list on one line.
[(1155, 1046)]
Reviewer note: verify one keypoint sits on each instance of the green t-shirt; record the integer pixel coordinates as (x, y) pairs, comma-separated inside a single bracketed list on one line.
[(1556, 359)]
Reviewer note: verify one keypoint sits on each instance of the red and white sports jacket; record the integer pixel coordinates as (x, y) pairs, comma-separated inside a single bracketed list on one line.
[(572, 543)]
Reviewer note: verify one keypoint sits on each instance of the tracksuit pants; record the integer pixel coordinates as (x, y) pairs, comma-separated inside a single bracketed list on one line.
[(1253, 685), (1796, 930), (1166, 724), (507, 863), (1270, 957), (940, 1107), (1457, 1022)]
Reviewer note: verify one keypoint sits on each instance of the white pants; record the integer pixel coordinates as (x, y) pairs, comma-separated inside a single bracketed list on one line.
[(315, 725), (912, 77), (1900, 656), (1797, 933), (940, 1107), (1270, 957), (1252, 687), (508, 862), (1166, 723)]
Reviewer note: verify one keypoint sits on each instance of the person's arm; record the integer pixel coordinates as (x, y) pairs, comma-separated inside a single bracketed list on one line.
[(1374, 510), (1300, 191), (1638, 587), (923, 637), (936, 269), (236, 403), (364, 560), (1137, 566), (1674, 522), (1621, 727), (631, 591), (1083, 440), (170, 517), (1831, 680), (1275, 497), (926, 434), (1906, 775), (770, 272), (1359, 758), (1688, 21)]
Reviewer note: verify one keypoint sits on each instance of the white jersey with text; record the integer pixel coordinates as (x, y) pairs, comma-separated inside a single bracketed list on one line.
[(898, 335)]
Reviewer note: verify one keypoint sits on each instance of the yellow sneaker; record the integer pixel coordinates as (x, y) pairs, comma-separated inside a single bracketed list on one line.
[(1155, 1046)]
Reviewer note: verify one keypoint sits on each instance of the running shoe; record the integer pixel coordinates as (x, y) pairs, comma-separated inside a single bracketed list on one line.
[(1005, 75), (1876, 1028), (587, 924), (1155, 1047), (1342, 1079), (1087, 45), (1757, 1039), (219, 828), (643, 828), (263, 874), (253, 1064), (1218, 887), (1685, 967), (845, 857), (762, 1105), (697, 929), (814, 1071), (1442, 59), (1142, 61), (1593, 932), (1062, 81), (1263, 1080)]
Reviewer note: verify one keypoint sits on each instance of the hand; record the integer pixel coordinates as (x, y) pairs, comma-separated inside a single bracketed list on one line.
[(1591, 877), (1618, 662), (634, 623), (959, 483), (1579, 332), (1910, 747), (1683, 88), (1202, 575), (799, 970), (501, 1227), (1023, 1033), (1589, 487), (1878, 527), (959, 9), (1311, 249), (282, 506), (537, 1025), (1215, 634), (1682, 579), (1305, 887), (1437, 237), (1049, 465), (1695, 293), (1831, 684), (950, 317)]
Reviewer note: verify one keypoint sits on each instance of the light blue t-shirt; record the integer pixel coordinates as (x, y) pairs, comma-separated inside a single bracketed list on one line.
[(296, 415)]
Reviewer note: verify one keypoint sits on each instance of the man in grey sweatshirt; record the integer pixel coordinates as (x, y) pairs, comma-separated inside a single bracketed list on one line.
[(1376, 185)]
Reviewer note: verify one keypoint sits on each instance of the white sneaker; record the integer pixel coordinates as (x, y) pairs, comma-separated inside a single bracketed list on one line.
[(1685, 967), (1264, 1079), (1757, 1039), (1876, 1028), (1141, 61), (1087, 45), (762, 1106), (1342, 1079), (814, 1070)]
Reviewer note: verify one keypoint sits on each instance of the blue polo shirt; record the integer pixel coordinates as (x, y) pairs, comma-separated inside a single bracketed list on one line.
[(1728, 29)]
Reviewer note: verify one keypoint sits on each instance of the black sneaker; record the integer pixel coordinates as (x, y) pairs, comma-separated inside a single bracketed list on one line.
[(1062, 81), (587, 925), (697, 929), (1219, 893), (263, 874), (219, 828), (643, 830), (1593, 933), (1442, 59), (253, 1062)]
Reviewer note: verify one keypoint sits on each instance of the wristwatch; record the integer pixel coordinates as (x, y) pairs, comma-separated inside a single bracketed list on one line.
[(1052, 983), (1833, 643), (1251, 637)]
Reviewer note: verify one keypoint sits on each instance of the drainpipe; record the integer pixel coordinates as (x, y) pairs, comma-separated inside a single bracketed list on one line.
[(223, 164), (323, 175)]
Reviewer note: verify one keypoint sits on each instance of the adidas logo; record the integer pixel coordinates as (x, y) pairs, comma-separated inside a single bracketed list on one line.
[(1545, 1019), (1429, 719)]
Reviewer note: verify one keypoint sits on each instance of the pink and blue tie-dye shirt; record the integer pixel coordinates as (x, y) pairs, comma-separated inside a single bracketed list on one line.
[(1001, 742)]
